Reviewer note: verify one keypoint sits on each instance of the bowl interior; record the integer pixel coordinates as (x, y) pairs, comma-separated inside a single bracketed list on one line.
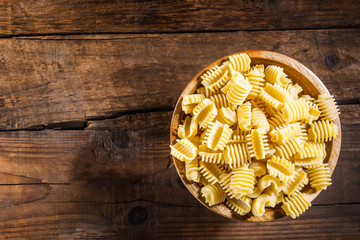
[(300, 74)]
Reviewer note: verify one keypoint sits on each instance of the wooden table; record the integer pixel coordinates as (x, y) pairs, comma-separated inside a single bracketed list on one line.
[(87, 92)]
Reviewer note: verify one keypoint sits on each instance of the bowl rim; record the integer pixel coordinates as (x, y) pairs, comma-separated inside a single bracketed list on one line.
[(277, 59)]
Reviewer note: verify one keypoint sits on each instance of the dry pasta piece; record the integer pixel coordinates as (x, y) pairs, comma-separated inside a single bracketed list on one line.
[(240, 62), (293, 90), (217, 135), (285, 133), (216, 77), (242, 180), (319, 147), (210, 172), (314, 112), (290, 148), (241, 206), (259, 120), (226, 116), (184, 150), (269, 100), (224, 181), (327, 106), (209, 155), (264, 200), (296, 182), (278, 92), (205, 112), (213, 194), (258, 104), (322, 131), (276, 120), (274, 74), (295, 111), (295, 205), (310, 155), (267, 181), (189, 102), (320, 177), (192, 170), (238, 137), (258, 167), (244, 116), (258, 145), (188, 129), (236, 154), (256, 78), (239, 90), (220, 101), (206, 92), (280, 167), (195, 140)]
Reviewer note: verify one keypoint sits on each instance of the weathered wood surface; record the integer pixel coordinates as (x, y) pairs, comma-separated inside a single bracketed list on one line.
[(68, 80), (60, 16)]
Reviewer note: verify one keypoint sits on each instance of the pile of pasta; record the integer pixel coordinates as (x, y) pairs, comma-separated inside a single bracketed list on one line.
[(252, 140)]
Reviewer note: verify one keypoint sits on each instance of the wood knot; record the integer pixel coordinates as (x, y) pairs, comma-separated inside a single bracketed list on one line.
[(137, 215), (120, 138), (331, 61)]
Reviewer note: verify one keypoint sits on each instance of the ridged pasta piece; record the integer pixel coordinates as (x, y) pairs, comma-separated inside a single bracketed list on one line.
[(310, 162), (319, 147), (259, 120), (206, 92), (293, 90), (274, 74), (258, 145), (224, 181), (205, 112), (269, 100), (278, 92), (327, 106), (295, 205), (216, 77), (310, 155), (290, 148), (320, 177), (189, 102), (188, 129), (258, 167), (256, 78), (210, 171), (296, 182), (195, 140), (241, 206), (244, 116), (259, 104), (267, 182), (192, 170), (264, 200), (213, 194), (217, 135), (303, 133), (209, 155), (314, 112), (322, 131), (295, 111), (226, 116), (242, 180), (238, 91), (184, 150), (280, 167), (276, 120), (220, 101), (236, 154), (285, 133), (240, 62), (239, 137)]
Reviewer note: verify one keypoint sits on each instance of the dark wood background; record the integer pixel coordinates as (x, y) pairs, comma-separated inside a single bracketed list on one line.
[(87, 92)]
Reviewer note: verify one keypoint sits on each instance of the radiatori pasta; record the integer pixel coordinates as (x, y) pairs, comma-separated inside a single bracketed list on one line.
[(253, 141)]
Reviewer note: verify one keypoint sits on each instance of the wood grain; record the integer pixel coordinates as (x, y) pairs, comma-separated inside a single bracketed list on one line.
[(63, 81), (31, 17)]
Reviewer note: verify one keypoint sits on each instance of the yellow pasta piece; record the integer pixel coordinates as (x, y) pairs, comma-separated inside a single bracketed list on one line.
[(276, 120), (277, 92), (238, 137), (295, 205), (205, 112), (209, 155), (210, 172), (217, 135), (274, 74), (224, 181), (258, 145), (206, 92), (280, 167), (195, 140), (184, 150), (264, 200), (240, 62), (285, 133), (188, 129), (216, 77), (259, 120), (239, 90), (267, 182), (236, 154), (241, 206), (192, 170), (296, 182), (269, 100), (327, 106), (258, 104), (244, 116), (226, 116), (322, 131), (256, 78), (320, 177), (290, 148), (295, 111), (310, 155), (220, 101), (189, 102), (303, 133), (213, 194), (318, 147), (242, 180), (293, 90), (258, 167)]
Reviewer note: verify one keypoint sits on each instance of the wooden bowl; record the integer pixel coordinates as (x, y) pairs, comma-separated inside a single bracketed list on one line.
[(300, 74)]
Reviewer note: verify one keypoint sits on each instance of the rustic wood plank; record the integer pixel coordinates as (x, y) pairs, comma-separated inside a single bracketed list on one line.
[(62, 81), (80, 16)]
